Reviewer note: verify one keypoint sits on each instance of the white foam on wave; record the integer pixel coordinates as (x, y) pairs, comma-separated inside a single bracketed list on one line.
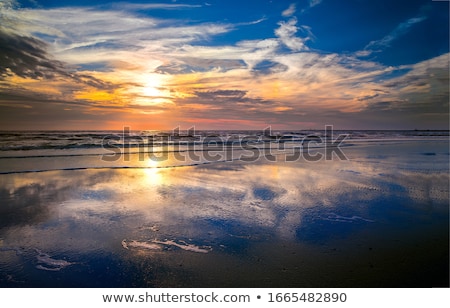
[(339, 218)]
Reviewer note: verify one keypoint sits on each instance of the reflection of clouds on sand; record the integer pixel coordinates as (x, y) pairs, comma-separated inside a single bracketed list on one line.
[(29, 199), (215, 207), (273, 196), (428, 188)]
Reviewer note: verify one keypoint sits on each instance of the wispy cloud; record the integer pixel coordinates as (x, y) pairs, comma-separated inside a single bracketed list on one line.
[(311, 4), (290, 10), (152, 6), (286, 33), (385, 42)]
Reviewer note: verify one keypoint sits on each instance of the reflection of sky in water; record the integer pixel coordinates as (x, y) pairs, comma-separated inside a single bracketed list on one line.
[(274, 222)]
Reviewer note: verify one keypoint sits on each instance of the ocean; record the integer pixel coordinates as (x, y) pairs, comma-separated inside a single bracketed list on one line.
[(191, 208)]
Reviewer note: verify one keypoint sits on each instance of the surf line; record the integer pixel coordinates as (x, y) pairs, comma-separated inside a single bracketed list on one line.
[(114, 167)]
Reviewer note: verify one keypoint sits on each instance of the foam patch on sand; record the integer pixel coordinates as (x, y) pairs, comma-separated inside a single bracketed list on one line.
[(339, 218), (185, 246), (159, 245), (142, 245), (47, 263)]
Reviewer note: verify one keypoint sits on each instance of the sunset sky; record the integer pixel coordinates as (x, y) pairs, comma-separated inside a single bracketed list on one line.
[(224, 64)]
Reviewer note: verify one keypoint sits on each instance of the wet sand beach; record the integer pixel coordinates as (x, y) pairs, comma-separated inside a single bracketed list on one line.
[(378, 219)]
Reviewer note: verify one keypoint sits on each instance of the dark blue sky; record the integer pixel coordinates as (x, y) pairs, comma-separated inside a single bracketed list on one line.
[(338, 26)]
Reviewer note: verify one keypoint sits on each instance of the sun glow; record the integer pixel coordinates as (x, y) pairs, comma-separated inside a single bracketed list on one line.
[(151, 90), (154, 85)]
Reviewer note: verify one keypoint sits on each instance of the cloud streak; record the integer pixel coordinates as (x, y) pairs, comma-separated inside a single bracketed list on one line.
[(385, 42), (152, 6), (311, 4), (26, 57)]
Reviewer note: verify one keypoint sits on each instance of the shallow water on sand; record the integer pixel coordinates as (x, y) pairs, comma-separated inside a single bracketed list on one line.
[(378, 219)]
